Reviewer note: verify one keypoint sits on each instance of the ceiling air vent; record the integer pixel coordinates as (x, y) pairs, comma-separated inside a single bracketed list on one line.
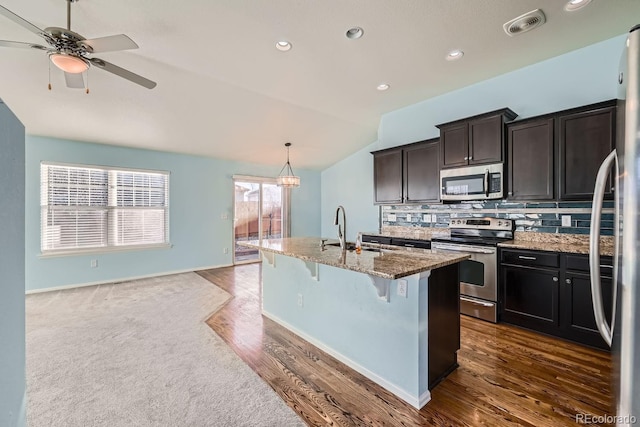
[(524, 23)]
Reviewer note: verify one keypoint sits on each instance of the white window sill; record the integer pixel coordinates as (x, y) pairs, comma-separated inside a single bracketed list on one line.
[(102, 250)]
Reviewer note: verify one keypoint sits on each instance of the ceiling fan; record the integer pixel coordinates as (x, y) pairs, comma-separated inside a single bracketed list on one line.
[(71, 52)]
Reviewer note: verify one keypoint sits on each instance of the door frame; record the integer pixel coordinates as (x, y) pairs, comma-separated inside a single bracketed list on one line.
[(286, 210)]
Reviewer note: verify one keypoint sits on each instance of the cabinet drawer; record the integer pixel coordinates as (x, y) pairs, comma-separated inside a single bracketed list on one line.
[(578, 262), (368, 238), (532, 258), (411, 243)]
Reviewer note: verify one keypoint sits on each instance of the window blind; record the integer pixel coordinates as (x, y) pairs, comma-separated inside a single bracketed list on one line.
[(88, 208)]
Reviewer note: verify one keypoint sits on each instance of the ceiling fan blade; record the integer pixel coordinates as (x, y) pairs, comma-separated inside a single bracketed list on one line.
[(74, 80), (7, 43), (20, 21), (126, 74), (109, 43)]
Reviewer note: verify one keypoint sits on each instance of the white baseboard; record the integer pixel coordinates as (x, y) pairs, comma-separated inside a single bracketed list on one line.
[(415, 401), (122, 279)]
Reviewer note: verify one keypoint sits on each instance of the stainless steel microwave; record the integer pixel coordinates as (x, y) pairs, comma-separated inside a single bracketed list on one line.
[(472, 182)]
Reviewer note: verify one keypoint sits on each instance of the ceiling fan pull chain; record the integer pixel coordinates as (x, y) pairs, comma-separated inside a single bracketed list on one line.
[(49, 62), (87, 87)]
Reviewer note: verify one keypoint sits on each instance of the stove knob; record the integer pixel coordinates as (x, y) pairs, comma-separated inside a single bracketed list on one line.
[(499, 223)]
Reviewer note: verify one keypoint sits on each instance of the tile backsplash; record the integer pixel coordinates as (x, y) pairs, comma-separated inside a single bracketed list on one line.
[(542, 217)]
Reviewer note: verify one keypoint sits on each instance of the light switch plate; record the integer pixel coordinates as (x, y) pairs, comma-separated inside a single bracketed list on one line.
[(391, 217), (566, 220), (426, 218), (408, 217)]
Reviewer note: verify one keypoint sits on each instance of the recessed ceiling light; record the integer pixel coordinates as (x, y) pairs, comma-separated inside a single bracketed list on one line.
[(573, 5), (382, 86), (455, 54), (283, 45), (354, 33)]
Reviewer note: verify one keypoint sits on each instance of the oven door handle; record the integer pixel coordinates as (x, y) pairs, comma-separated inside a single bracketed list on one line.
[(474, 301), (468, 249)]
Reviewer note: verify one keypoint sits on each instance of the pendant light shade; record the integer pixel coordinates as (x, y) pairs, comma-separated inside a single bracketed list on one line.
[(286, 178)]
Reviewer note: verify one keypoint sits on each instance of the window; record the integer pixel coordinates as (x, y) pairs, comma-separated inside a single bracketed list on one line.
[(86, 208)]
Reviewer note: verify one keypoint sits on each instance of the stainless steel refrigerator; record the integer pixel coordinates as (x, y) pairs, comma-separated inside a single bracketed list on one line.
[(623, 332)]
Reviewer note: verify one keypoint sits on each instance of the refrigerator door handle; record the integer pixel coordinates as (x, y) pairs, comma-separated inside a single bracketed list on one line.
[(605, 329)]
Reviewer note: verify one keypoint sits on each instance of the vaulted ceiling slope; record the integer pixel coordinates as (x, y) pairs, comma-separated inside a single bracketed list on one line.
[(225, 91)]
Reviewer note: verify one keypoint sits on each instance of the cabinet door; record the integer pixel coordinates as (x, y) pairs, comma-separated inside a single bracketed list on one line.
[(530, 153), (586, 138), (387, 176), (578, 320), (422, 172), (530, 298), (454, 142), (485, 140)]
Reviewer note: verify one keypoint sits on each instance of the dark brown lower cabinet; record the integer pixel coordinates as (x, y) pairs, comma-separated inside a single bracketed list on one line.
[(554, 301), (530, 297)]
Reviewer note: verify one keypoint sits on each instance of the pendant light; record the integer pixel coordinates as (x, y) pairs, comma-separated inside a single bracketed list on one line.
[(286, 178)]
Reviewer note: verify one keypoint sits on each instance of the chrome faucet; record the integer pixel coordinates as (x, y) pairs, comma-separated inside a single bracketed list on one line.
[(342, 231)]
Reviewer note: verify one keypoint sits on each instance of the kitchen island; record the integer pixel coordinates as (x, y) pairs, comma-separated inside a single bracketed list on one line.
[(393, 316)]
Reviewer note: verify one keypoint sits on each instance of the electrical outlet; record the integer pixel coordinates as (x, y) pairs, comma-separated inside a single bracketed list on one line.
[(300, 300), (426, 218), (402, 288), (225, 250), (408, 217), (94, 263), (391, 217), (566, 220)]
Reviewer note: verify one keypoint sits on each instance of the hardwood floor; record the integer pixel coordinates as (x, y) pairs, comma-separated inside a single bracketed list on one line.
[(507, 376)]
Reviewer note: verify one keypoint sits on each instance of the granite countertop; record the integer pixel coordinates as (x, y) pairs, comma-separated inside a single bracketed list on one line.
[(550, 242), (566, 243), (388, 264)]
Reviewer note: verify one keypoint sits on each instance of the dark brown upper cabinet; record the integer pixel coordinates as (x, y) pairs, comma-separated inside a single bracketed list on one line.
[(407, 174), (530, 153), (475, 140), (586, 136), (387, 176), (422, 172)]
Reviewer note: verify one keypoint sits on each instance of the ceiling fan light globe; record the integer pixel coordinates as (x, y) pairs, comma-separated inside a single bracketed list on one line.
[(69, 63)]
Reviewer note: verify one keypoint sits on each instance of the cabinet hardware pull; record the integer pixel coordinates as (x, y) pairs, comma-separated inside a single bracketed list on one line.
[(532, 258), (606, 266), (470, 158), (466, 158), (555, 279), (568, 281), (408, 245), (374, 241)]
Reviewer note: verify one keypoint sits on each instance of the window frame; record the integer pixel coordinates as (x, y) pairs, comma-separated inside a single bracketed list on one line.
[(111, 211)]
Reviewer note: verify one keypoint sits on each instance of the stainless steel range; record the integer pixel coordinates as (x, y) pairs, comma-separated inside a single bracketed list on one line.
[(479, 274)]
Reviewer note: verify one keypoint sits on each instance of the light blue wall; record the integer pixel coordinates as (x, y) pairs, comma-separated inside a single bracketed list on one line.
[(201, 189), (341, 312), (12, 271), (349, 183), (577, 78)]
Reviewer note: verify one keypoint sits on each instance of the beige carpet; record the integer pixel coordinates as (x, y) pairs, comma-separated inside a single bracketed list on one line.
[(139, 354)]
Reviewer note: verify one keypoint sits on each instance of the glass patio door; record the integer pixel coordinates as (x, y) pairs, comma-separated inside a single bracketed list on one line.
[(258, 214)]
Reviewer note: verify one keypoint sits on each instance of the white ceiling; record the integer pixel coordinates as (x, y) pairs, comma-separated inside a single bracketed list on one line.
[(224, 90)]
